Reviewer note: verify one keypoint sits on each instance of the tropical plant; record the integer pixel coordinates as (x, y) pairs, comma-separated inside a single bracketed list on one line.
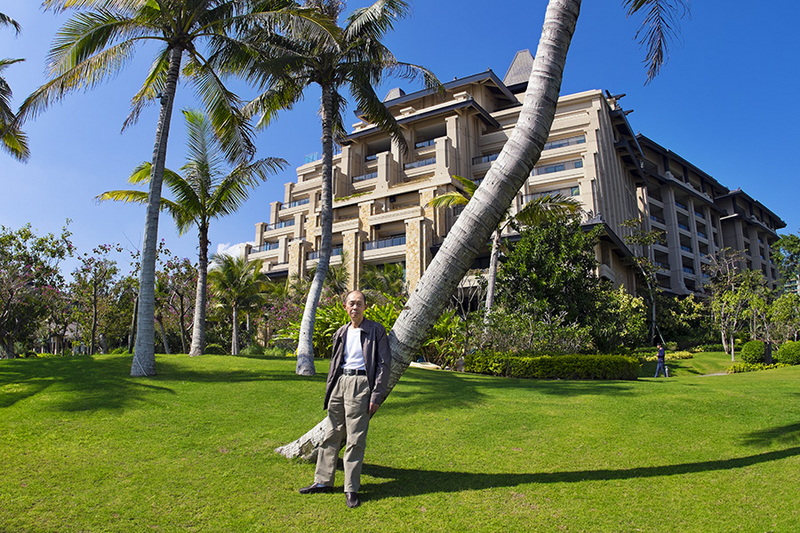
[(202, 193), (540, 210), (99, 41), (351, 57), (387, 281), (31, 284), (502, 182), (238, 286), (12, 138)]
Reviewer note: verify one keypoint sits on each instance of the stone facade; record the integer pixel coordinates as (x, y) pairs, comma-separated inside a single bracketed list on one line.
[(381, 194)]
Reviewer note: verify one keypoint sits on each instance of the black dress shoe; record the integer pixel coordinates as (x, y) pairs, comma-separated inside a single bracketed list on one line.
[(352, 499), (316, 488)]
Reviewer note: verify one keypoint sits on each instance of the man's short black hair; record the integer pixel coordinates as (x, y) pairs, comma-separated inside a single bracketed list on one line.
[(364, 296)]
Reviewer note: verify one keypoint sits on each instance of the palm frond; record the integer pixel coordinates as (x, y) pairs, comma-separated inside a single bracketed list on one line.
[(373, 22), (547, 208), (5, 20), (659, 27)]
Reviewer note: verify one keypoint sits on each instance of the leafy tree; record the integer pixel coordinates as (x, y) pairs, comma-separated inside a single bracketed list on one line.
[(503, 180), (93, 292), (351, 57), (387, 280), (731, 290), (98, 42), (642, 240), (786, 253), (12, 138), (784, 314), (551, 269), (203, 192), (540, 210), (31, 284), (238, 287)]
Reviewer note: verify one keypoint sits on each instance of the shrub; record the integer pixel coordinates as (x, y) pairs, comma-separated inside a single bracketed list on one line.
[(553, 367), (753, 352), (751, 367), (710, 348), (789, 353), (276, 351), (215, 349), (119, 351)]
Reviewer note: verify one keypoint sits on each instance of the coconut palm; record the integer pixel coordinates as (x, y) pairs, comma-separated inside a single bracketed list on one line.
[(539, 210), (199, 35), (351, 57), (498, 189), (12, 138), (204, 192), (238, 286)]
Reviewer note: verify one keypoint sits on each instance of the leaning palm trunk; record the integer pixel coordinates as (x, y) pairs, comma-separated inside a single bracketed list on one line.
[(305, 344), (199, 327), (144, 360), (483, 214)]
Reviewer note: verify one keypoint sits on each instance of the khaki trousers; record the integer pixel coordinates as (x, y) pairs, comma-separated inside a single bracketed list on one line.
[(348, 414)]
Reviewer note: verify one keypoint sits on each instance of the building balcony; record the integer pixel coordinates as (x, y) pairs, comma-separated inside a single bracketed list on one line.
[(396, 214)]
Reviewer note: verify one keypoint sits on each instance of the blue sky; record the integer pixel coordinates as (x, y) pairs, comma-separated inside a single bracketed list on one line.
[(726, 101)]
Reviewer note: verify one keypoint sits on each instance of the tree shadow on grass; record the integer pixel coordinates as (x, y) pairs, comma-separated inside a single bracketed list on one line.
[(88, 383), (418, 389), (786, 434), (402, 482)]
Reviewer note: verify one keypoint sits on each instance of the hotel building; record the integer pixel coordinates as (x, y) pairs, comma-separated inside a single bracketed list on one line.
[(381, 195)]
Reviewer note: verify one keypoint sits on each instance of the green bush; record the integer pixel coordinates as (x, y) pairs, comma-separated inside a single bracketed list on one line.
[(751, 367), (789, 353), (215, 349), (276, 351), (753, 352), (553, 367), (710, 348), (119, 351)]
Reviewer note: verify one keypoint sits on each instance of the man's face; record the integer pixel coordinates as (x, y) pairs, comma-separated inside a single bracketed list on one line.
[(355, 306)]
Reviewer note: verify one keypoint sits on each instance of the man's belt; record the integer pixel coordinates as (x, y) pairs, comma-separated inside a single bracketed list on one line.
[(351, 372)]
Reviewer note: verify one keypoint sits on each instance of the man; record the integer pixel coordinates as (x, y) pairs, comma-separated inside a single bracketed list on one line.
[(660, 367), (356, 387)]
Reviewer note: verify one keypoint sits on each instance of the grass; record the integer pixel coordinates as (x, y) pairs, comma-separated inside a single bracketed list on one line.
[(87, 448)]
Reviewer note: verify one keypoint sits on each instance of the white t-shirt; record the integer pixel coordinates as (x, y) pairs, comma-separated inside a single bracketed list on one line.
[(353, 354)]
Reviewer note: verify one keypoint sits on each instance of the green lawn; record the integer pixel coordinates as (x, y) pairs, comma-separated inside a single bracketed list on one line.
[(87, 448)]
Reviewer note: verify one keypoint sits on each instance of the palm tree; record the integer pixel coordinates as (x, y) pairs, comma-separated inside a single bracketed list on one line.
[(539, 210), (204, 192), (497, 190), (96, 44), (239, 286), (12, 139), (352, 57)]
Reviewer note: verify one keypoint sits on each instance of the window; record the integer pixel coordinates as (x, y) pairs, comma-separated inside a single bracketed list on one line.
[(569, 141), (557, 167)]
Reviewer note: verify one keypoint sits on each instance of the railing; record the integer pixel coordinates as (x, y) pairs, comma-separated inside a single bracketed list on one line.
[(569, 141), (365, 177), (423, 144), (371, 157), (488, 158), (699, 215), (267, 246), (685, 248), (680, 204), (688, 270), (279, 225), (336, 250), (657, 219), (702, 235), (683, 226), (557, 167), (420, 163), (397, 240), (665, 266), (296, 203)]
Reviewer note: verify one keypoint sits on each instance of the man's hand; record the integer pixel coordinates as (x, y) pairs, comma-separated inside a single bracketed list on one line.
[(373, 408)]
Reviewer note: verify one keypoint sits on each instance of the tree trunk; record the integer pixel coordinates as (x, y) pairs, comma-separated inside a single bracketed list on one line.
[(492, 274), (132, 333), (199, 327), (164, 340), (235, 332), (144, 360), (489, 204), (305, 345)]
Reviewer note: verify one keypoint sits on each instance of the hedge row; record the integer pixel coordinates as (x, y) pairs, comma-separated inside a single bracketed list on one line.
[(553, 367)]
